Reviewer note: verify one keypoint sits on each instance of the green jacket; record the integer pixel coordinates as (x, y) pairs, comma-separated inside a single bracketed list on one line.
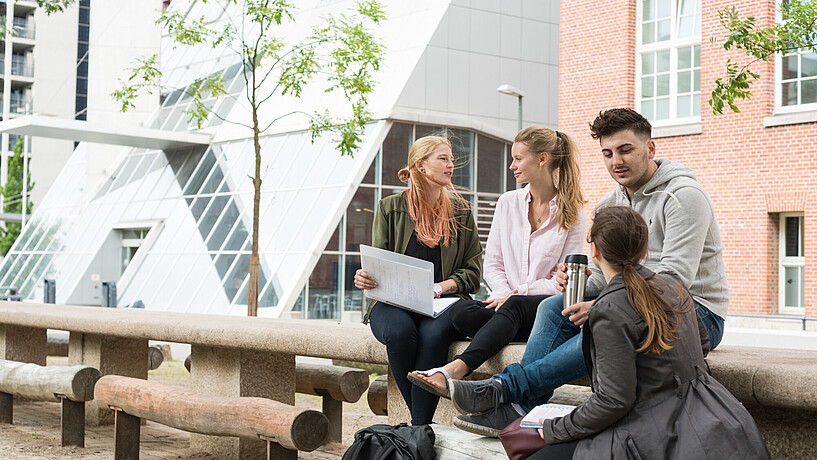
[(461, 259)]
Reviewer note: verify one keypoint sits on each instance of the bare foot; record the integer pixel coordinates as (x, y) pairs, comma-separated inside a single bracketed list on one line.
[(436, 380), (456, 369)]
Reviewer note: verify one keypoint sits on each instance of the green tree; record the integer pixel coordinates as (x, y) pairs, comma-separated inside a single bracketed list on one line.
[(13, 197), (797, 30), (340, 55)]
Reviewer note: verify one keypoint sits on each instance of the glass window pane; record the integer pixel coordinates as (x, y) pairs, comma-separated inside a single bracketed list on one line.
[(684, 81), (662, 85), (324, 289), (648, 63), (790, 67), (789, 96), (489, 167), (212, 183), (223, 263), (662, 109), (225, 225), (697, 55), (395, 152), (687, 6), (808, 65), (510, 181), (808, 92), (696, 104), (211, 216), (241, 269), (648, 9), (334, 240), (359, 218), (353, 300), (201, 173), (664, 28), (696, 80), (662, 61), (648, 33), (187, 161), (370, 176), (684, 58), (684, 108), (648, 110), (793, 287), (686, 26), (648, 86), (663, 8), (793, 236), (462, 142)]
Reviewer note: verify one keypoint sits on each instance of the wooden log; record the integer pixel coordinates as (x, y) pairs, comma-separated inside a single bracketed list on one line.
[(378, 396), (345, 384), (243, 417), (45, 383), (155, 357)]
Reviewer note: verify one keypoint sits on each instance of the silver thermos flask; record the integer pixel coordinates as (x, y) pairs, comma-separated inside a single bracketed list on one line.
[(576, 279)]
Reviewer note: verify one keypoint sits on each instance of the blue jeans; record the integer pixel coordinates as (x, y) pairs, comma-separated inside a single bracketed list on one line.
[(554, 357)]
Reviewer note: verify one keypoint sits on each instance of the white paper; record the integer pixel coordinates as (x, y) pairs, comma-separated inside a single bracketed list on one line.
[(545, 411)]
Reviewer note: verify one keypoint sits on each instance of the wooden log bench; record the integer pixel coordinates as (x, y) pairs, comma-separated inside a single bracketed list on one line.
[(378, 395), (71, 386), (334, 384), (285, 429)]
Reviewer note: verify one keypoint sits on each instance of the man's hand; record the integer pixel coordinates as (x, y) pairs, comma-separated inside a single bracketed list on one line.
[(494, 304), (578, 312), (364, 280)]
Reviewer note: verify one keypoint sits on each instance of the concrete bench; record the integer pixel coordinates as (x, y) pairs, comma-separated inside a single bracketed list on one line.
[(72, 386), (239, 356), (285, 429)]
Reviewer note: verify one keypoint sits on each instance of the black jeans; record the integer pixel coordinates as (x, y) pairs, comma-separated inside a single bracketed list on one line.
[(491, 330), (414, 342)]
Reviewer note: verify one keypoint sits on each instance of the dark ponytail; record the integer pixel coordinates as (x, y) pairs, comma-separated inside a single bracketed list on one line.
[(622, 237)]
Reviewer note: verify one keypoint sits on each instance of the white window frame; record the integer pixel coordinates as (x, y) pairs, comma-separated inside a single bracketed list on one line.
[(779, 108), (673, 44), (789, 262)]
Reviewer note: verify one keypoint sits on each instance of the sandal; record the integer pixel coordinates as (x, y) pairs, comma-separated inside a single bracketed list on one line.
[(427, 386)]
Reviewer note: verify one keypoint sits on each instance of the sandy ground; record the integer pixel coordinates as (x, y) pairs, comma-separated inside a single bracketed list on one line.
[(36, 430)]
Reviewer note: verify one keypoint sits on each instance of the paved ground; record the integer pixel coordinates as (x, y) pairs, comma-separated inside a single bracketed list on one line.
[(36, 430)]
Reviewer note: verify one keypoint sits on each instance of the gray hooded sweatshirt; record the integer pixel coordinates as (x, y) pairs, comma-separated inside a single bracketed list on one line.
[(684, 236)]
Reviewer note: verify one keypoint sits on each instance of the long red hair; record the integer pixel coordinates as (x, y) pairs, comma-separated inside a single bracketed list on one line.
[(433, 222)]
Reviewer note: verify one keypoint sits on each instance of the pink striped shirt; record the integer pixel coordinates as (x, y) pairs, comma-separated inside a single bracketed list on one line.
[(517, 260)]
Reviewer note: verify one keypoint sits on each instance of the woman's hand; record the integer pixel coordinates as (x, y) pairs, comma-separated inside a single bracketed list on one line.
[(494, 304), (364, 280), (561, 276), (578, 312)]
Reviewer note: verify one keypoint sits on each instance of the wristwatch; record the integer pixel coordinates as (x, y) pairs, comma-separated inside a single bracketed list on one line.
[(438, 291)]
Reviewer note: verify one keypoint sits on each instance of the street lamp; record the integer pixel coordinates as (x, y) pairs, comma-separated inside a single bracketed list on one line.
[(511, 91)]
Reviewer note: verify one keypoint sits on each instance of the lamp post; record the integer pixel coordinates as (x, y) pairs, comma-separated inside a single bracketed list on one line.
[(511, 91)]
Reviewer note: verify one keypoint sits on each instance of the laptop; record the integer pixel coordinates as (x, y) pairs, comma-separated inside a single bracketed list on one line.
[(403, 281)]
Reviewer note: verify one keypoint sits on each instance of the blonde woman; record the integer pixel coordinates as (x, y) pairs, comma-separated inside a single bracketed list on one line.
[(432, 222), (533, 229)]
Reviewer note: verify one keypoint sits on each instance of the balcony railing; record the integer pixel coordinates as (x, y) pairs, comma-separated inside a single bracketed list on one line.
[(18, 103), (20, 65), (23, 28)]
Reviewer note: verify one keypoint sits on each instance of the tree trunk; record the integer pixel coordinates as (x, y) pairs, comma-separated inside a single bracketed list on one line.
[(255, 263)]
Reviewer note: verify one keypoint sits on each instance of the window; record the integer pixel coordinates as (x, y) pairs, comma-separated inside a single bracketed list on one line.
[(668, 60), (795, 77), (792, 263)]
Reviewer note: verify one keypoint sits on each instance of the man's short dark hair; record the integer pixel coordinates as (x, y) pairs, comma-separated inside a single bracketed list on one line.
[(615, 120)]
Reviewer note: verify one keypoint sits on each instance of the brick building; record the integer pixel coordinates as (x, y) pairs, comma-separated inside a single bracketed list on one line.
[(758, 166)]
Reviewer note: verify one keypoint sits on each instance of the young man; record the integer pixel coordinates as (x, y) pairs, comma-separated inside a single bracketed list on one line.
[(684, 238)]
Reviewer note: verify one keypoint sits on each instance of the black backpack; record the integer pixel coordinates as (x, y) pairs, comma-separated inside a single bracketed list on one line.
[(399, 442)]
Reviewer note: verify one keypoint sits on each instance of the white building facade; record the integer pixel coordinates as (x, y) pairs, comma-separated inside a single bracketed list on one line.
[(172, 227)]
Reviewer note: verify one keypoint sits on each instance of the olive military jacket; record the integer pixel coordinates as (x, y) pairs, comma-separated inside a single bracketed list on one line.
[(461, 259)]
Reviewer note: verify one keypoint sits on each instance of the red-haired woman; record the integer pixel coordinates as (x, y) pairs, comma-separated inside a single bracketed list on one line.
[(429, 221)]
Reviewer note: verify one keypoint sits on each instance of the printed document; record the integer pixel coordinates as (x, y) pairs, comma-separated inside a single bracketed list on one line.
[(545, 411), (403, 281)]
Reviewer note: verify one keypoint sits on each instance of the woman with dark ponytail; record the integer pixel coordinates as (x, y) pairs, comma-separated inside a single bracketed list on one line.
[(432, 222), (652, 395), (533, 229)]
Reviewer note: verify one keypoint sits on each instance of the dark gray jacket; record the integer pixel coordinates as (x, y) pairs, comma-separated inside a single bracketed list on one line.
[(647, 405)]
